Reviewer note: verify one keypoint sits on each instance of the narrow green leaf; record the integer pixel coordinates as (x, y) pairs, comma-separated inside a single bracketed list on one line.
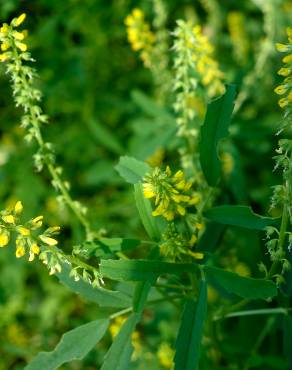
[(131, 169), (118, 356), (74, 345), (145, 213), (244, 287), (103, 297), (190, 333), (141, 270), (214, 129), (242, 216)]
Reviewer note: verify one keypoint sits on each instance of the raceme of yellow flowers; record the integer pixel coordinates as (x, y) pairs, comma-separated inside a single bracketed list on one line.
[(285, 89), (28, 238), (171, 192), (9, 36), (139, 35)]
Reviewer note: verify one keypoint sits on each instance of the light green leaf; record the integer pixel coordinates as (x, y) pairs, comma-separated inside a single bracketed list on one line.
[(189, 338), (141, 270), (118, 356), (74, 345), (242, 216), (145, 213), (214, 129), (242, 286), (131, 169), (103, 297)]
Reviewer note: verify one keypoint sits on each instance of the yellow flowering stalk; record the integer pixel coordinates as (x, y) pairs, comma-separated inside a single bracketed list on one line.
[(26, 96), (240, 43), (171, 193), (282, 193), (31, 241), (140, 36), (195, 68), (285, 89)]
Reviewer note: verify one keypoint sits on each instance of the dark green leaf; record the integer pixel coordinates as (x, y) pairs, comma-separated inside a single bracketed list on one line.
[(141, 270), (287, 326), (118, 356), (242, 216), (145, 213), (242, 286), (190, 333), (131, 169), (74, 345), (103, 297), (214, 129)]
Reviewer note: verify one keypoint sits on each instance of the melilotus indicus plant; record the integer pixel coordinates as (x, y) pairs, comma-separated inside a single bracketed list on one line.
[(181, 206)]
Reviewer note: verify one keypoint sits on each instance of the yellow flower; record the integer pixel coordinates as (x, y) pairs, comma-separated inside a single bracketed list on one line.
[(282, 48), (196, 255), (280, 90), (4, 28), (20, 251), (18, 208), (5, 46), (23, 230), (148, 191), (165, 355), (21, 45), (283, 102), (19, 20), (3, 57), (284, 72), (4, 237), (37, 221), (287, 59), (47, 240), (9, 219), (35, 248), (18, 35)]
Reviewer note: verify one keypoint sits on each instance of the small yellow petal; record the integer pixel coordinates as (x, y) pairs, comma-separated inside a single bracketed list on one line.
[(197, 255), (18, 35), (282, 48), (23, 230), (287, 59), (37, 221), (9, 219), (4, 28), (20, 251), (4, 238), (18, 207), (5, 46), (35, 249), (19, 20), (47, 240), (284, 72), (280, 90), (21, 45)]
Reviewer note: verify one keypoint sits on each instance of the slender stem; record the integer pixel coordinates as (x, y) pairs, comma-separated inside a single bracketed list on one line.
[(281, 240)]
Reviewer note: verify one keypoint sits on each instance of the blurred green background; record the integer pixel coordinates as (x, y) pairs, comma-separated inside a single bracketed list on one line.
[(90, 77)]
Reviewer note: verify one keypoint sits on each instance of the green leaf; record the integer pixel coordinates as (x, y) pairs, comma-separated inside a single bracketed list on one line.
[(105, 137), (242, 286), (145, 213), (190, 333), (242, 216), (287, 339), (131, 169), (103, 297), (214, 129), (74, 345), (141, 270), (118, 356)]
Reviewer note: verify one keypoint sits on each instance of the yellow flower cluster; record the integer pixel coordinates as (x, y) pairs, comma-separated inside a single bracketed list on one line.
[(27, 239), (165, 356), (10, 37), (236, 26), (207, 67), (139, 35), (285, 89), (170, 193)]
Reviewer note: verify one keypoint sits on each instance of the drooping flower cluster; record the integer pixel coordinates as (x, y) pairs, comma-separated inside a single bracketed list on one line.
[(194, 66), (172, 193), (140, 36), (285, 89), (28, 237), (28, 97)]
